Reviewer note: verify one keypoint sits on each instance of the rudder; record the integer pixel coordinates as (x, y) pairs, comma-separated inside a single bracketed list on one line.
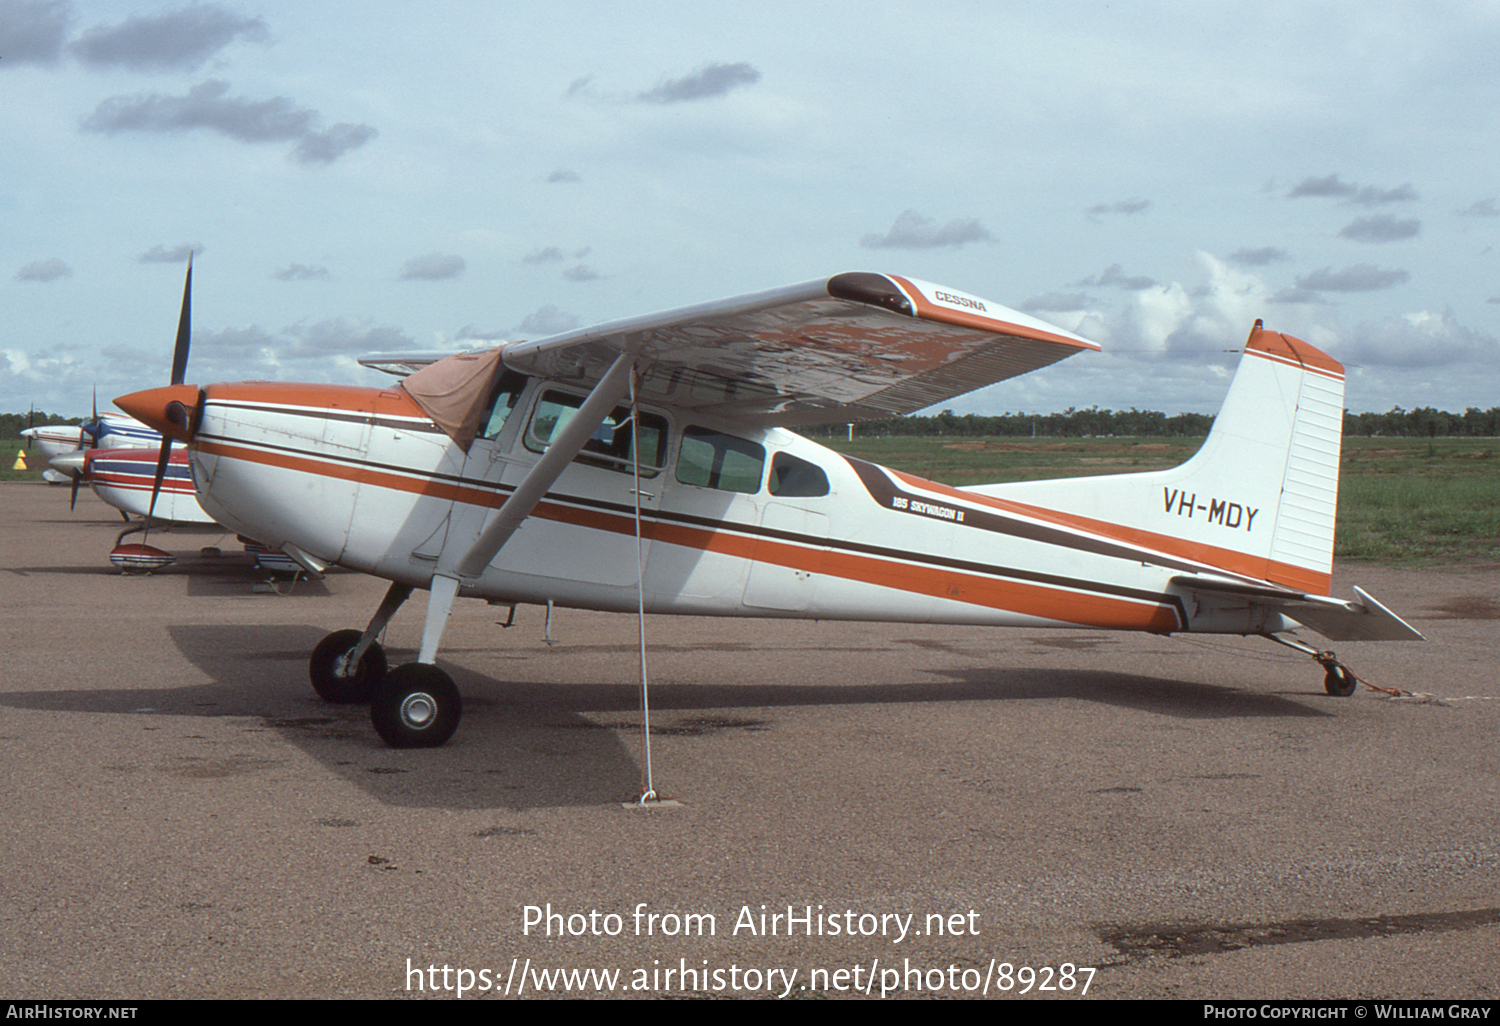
[(1258, 498)]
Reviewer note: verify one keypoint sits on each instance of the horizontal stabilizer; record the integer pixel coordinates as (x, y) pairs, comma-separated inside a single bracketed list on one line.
[(1360, 619), (1365, 620)]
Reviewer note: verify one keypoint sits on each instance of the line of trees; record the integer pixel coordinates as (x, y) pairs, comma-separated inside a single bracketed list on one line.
[(1423, 422), (1071, 423), (1093, 422), (12, 424)]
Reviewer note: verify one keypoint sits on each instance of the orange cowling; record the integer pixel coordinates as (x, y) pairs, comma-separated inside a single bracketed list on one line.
[(168, 409)]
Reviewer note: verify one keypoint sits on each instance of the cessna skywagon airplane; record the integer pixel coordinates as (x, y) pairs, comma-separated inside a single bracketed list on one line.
[(647, 463)]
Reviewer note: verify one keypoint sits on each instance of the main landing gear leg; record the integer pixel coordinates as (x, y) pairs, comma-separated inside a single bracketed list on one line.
[(1338, 679), (417, 705), (346, 665)]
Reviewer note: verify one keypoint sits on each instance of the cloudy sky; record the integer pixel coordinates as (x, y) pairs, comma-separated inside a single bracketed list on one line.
[(359, 177)]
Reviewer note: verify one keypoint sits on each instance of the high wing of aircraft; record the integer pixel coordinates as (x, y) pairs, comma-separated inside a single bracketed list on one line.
[(647, 464)]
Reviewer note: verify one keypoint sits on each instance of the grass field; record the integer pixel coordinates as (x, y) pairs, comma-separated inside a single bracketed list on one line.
[(1401, 500), (10, 446)]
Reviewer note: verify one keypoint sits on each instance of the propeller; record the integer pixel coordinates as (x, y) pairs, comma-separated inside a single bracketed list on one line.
[(88, 438), (179, 372)]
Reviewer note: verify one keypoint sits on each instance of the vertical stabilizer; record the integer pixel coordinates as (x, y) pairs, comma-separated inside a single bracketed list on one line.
[(1259, 498)]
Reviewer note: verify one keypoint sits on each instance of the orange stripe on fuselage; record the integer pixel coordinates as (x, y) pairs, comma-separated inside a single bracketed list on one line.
[(1042, 601), (1258, 567), (349, 472)]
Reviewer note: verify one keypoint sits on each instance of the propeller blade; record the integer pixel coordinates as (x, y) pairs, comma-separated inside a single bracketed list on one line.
[(184, 329), (73, 464), (161, 472), (179, 373)]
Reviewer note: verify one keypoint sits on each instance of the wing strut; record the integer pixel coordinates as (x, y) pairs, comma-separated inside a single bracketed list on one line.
[(567, 444)]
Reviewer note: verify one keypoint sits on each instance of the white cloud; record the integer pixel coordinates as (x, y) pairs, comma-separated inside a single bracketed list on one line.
[(1130, 206), (709, 81), (301, 272), (209, 106), (1421, 340), (1380, 228), (32, 31), (44, 270), (177, 39), (913, 231), (1153, 316), (178, 254), (432, 267), (1358, 278), (548, 320)]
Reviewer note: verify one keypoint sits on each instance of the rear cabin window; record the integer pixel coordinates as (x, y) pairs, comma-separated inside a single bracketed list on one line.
[(709, 459), (610, 445), (795, 478)]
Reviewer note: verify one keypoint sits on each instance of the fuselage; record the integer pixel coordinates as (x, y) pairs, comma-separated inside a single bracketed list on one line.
[(123, 478), (109, 431), (734, 520)]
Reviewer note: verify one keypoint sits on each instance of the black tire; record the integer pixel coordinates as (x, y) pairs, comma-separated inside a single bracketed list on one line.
[(1339, 681), (353, 688), (416, 706)]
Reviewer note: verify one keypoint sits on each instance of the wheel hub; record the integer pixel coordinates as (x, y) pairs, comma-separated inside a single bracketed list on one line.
[(418, 710)]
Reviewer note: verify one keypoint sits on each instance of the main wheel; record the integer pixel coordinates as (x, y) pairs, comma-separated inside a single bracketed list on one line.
[(1339, 681), (416, 706), (351, 684)]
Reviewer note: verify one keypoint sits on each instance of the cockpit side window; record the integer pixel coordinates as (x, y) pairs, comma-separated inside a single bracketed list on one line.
[(710, 459), (507, 390), (795, 478), (610, 445)]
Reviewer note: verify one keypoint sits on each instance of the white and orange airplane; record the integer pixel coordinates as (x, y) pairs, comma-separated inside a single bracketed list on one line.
[(647, 464)]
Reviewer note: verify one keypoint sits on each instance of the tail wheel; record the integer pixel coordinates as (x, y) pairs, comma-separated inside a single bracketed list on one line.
[(1340, 681), (416, 706), (334, 680)]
